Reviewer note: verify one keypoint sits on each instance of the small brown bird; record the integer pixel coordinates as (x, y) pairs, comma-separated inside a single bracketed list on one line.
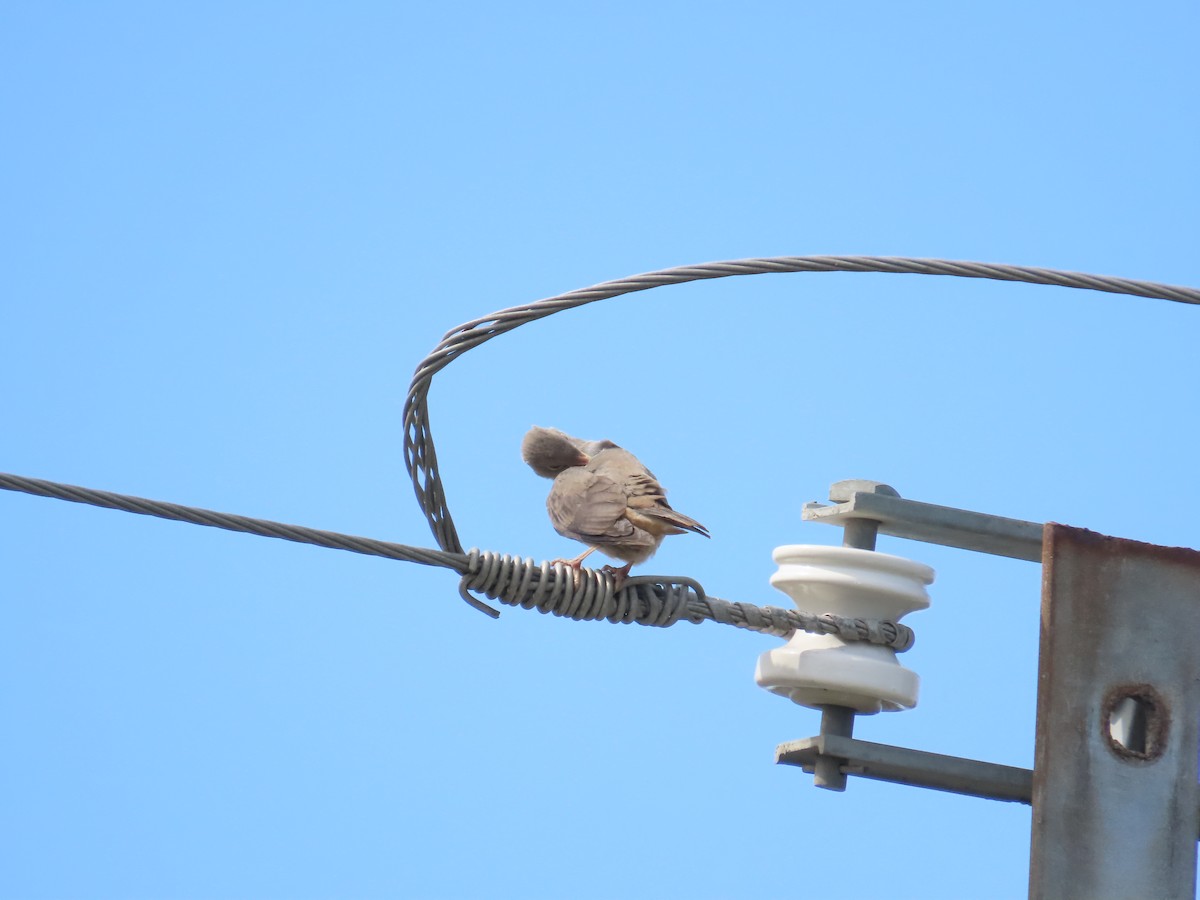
[(603, 497)]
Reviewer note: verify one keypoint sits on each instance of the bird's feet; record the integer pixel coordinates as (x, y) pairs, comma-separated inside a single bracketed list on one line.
[(575, 565), (617, 575)]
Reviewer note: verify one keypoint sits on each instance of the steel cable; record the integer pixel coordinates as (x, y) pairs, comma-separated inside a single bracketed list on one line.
[(549, 588), (420, 456), (553, 588)]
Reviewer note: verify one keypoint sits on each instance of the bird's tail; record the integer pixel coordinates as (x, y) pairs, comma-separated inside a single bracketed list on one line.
[(677, 519)]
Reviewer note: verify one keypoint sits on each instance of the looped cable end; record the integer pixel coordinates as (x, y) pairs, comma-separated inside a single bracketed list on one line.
[(474, 563), (475, 602), (905, 637)]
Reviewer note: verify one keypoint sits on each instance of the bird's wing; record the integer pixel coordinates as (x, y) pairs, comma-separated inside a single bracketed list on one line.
[(645, 496), (590, 507), (627, 470)]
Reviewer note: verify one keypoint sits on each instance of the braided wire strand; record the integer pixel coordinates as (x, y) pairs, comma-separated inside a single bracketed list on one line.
[(517, 582), (230, 522), (420, 456)]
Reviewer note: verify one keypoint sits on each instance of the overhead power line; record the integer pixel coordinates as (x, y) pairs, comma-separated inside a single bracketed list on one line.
[(516, 582), (553, 588)]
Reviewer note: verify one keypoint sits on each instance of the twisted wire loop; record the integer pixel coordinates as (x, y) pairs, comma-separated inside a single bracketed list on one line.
[(420, 457), (553, 588), (651, 600), (785, 622), (546, 587)]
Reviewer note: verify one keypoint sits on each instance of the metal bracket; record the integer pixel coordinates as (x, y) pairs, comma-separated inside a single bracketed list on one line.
[(927, 522), (863, 508), (919, 768), (1114, 791)]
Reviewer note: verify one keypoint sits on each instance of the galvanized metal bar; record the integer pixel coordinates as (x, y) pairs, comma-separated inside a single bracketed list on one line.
[(836, 721), (919, 768), (934, 524), (1116, 805)]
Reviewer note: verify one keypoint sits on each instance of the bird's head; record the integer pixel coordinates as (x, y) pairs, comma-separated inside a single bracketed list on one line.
[(548, 451)]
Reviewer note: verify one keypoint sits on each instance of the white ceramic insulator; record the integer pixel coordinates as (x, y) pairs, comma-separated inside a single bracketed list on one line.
[(820, 669)]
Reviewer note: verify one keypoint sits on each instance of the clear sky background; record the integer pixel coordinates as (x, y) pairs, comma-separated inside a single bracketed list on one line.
[(230, 232)]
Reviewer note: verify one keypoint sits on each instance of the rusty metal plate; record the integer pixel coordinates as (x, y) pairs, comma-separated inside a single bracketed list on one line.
[(1116, 807)]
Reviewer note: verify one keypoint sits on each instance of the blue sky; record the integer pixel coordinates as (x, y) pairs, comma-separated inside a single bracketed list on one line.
[(230, 233)]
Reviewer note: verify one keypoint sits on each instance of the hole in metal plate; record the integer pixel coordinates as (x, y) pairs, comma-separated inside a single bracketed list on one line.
[(1135, 721)]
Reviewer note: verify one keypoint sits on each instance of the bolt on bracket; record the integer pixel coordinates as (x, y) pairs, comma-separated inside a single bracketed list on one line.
[(945, 525)]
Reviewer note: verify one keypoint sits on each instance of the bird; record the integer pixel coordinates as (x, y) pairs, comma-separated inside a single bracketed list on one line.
[(603, 497)]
